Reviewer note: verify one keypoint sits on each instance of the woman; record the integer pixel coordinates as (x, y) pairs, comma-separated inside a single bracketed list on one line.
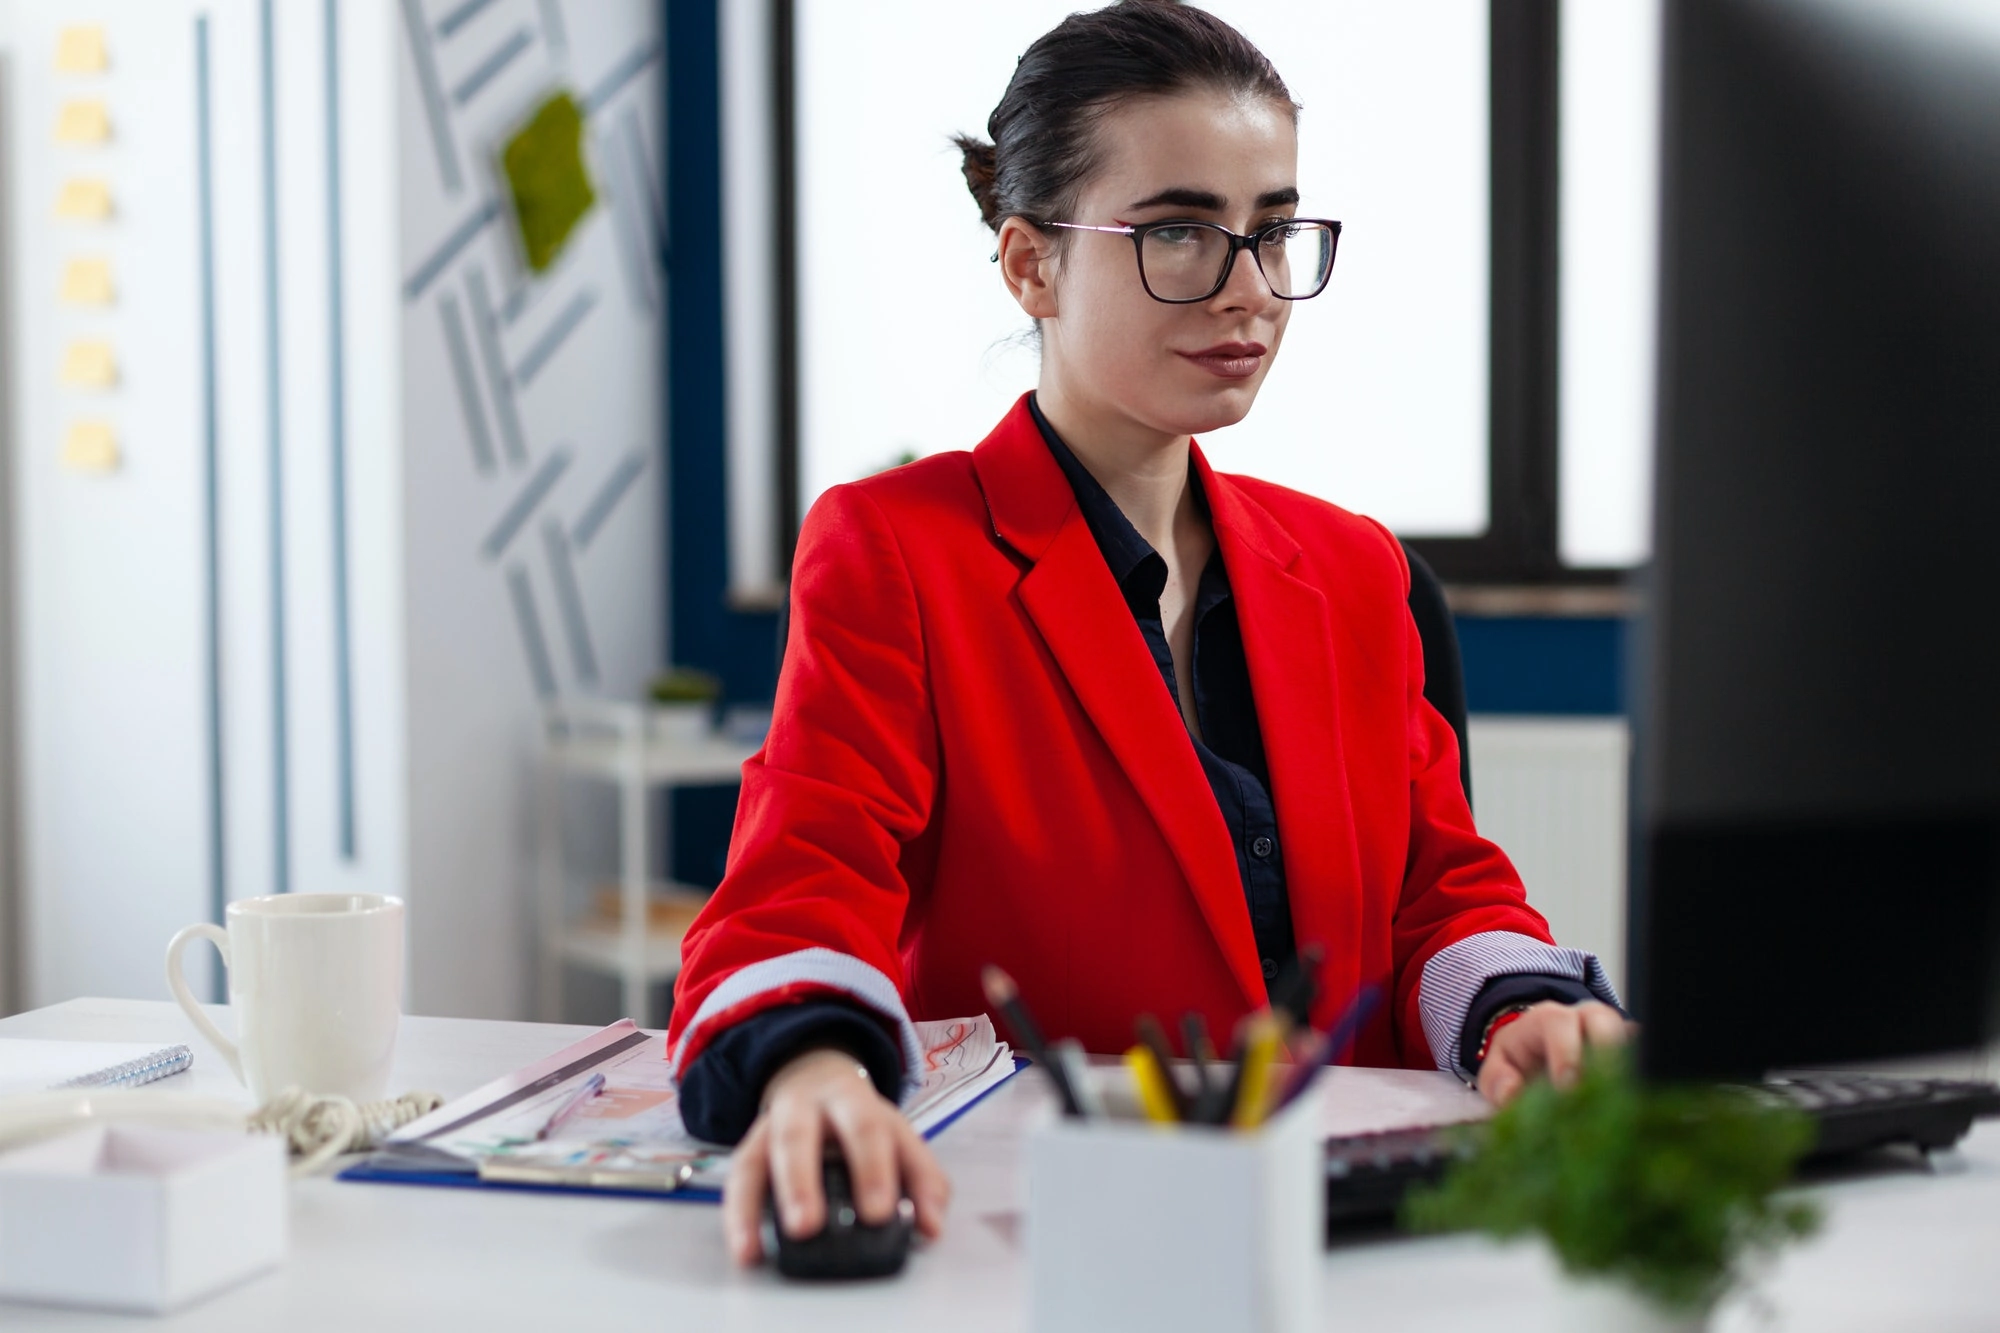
[(1076, 704)]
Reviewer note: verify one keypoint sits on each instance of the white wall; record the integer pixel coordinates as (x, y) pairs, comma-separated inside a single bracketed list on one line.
[(586, 415), (114, 800), (10, 972), (395, 756)]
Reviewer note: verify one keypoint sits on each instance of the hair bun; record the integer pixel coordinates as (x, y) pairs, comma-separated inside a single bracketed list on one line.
[(979, 166)]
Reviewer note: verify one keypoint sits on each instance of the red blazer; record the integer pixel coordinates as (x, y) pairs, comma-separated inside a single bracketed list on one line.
[(973, 761)]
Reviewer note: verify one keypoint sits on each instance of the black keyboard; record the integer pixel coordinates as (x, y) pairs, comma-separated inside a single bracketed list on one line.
[(1856, 1112), (1367, 1175)]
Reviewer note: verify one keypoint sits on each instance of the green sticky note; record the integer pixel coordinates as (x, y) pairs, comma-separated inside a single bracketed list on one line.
[(548, 179)]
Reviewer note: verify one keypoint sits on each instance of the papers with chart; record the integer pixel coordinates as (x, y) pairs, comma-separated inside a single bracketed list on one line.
[(629, 1136)]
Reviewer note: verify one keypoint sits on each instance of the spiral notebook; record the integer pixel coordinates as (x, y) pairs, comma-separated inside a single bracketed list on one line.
[(29, 1065)]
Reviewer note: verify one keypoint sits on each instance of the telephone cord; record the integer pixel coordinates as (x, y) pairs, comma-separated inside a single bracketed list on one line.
[(319, 1129)]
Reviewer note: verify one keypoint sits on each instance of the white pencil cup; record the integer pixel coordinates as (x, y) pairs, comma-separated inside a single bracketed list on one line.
[(1176, 1229)]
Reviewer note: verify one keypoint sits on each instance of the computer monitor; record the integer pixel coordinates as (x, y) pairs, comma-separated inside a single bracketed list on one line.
[(1816, 849)]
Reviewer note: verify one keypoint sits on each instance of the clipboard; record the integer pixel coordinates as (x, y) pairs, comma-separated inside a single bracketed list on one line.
[(414, 1155)]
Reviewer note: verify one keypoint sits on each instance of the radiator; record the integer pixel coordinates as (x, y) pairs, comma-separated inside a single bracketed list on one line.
[(1551, 792)]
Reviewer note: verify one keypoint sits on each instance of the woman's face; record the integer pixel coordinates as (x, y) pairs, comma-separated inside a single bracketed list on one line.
[(1113, 351)]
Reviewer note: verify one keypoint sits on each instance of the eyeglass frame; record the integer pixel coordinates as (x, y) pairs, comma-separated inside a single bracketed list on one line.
[(1238, 242)]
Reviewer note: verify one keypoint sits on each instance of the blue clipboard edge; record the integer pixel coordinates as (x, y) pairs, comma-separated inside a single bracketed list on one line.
[(366, 1174)]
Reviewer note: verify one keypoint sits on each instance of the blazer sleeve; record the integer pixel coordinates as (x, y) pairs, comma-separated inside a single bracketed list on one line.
[(813, 897), (1456, 884)]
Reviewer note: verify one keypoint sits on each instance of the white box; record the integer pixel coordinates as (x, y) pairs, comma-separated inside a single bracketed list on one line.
[(1176, 1229), (129, 1217)]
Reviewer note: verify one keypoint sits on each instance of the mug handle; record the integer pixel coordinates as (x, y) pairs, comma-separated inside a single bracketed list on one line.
[(177, 983)]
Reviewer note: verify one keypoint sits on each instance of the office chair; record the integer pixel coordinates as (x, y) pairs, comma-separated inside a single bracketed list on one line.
[(1444, 672), (1444, 669)]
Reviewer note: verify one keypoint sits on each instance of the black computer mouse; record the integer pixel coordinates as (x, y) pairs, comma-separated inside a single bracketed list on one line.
[(846, 1247)]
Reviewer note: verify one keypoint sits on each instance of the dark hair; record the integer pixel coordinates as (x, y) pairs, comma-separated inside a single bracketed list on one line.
[(1043, 143)]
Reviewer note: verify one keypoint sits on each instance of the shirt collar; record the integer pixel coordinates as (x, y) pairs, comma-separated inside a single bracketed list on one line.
[(1125, 551)]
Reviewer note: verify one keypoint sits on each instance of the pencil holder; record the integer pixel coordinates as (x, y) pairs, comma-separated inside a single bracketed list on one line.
[(1176, 1227)]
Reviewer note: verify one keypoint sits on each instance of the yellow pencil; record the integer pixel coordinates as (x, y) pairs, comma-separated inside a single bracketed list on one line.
[(1151, 1081), (1262, 1038)]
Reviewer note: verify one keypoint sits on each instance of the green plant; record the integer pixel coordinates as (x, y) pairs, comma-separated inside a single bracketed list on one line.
[(1668, 1189), (684, 685)]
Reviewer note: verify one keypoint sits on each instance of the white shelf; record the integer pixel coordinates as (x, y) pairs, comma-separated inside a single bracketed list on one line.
[(661, 763), (612, 741), (602, 949), (600, 944)]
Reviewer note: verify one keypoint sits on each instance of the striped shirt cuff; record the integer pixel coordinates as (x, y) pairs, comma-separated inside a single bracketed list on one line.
[(801, 974), (1453, 977)]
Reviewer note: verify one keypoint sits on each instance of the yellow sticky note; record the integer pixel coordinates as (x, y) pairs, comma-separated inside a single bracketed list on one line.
[(80, 50), (87, 282), (89, 364), (92, 446), (83, 121), (84, 199)]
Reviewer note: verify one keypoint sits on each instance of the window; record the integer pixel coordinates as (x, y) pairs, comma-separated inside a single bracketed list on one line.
[(1423, 388)]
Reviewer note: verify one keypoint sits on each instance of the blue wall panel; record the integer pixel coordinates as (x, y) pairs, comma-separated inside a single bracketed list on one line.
[(1543, 665)]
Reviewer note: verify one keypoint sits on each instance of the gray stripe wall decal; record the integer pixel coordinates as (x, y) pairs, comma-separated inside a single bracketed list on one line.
[(468, 384), (622, 73), (607, 498), (440, 258), (343, 638), (274, 419), (425, 58), (569, 601), (629, 226), (523, 508), (641, 165), (459, 17), (553, 337), (536, 648), (505, 410), (489, 69), (211, 538), (553, 31), (519, 300)]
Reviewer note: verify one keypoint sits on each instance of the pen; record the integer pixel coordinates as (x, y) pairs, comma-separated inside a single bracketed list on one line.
[(1151, 1082), (1076, 1068), (1154, 1038), (588, 1089), (1253, 1076), (1292, 998), (1004, 995), (1327, 1048), (1194, 1034)]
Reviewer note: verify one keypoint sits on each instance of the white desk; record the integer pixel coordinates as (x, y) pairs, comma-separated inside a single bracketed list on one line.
[(1915, 1250)]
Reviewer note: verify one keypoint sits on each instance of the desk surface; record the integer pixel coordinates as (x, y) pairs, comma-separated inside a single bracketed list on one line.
[(1905, 1248)]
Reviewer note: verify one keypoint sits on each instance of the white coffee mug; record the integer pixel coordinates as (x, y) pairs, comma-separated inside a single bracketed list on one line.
[(316, 982)]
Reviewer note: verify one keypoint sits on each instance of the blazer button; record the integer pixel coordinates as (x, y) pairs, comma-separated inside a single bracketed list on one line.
[(1270, 968), (1261, 848)]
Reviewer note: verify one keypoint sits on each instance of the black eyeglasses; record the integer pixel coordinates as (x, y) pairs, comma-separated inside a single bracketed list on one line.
[(1183, 262)]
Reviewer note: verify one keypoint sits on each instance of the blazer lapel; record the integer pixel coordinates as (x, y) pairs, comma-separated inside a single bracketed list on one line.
[(1075, 605), (1288, 640)]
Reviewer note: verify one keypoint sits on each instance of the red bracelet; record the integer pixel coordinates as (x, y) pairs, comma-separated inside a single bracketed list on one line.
[(1500, 1020)]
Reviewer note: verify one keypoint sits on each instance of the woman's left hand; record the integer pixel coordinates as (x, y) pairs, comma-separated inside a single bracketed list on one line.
[(1549, 1038)]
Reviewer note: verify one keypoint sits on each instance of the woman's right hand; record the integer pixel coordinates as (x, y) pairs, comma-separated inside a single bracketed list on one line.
[(817, 1093)]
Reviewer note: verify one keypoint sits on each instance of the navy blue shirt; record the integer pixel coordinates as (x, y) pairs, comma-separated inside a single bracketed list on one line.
[(721, 1089), (1231, 745)]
